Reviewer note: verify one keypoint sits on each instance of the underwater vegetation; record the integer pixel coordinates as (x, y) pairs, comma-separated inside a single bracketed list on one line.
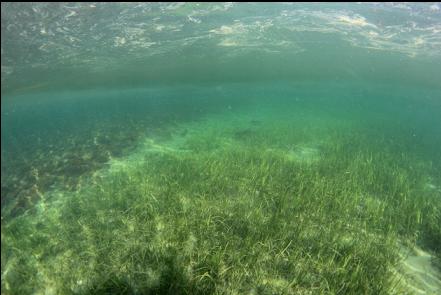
[(42, 160), (221, 209), (220, 148)]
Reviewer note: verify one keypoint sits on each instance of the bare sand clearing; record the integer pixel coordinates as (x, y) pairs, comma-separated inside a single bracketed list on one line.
[(417, 272)]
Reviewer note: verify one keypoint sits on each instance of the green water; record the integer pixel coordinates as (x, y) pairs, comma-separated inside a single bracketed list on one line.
[(220, 148)]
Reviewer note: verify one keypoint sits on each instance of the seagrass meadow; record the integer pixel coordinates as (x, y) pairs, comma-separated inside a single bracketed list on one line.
[(220, 148)]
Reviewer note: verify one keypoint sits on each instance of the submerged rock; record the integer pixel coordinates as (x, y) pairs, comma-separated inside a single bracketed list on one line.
[(243, 134)]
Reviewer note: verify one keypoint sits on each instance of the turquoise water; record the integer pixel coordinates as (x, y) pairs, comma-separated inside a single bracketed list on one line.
[(221, 148)]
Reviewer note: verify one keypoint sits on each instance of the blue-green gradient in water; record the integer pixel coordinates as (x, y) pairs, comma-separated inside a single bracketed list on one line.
[(221, 148)]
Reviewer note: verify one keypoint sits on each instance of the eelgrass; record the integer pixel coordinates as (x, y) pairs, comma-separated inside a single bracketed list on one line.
[(232, 215)]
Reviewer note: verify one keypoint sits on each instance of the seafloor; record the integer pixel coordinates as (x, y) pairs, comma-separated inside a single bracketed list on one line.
[(224, 192)]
